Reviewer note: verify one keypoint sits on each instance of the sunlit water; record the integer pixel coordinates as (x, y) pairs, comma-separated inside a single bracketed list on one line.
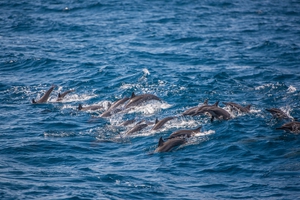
[(182, 51)]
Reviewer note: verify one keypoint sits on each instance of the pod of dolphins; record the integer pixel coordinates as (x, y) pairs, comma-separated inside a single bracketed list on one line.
[(178, 137)]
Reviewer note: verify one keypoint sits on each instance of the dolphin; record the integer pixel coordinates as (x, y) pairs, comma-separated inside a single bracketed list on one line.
[(62, 96), (136, 128), (184, 133), (94, 107), (45, 97), (277, 113), (109, 113), (201, 109), (290, 126), (118, 103), (169, 144), (136, 100), (193, 110), (216, 112), (139, 126), (159, 124), (113, 108), (128, 122), (238, 107)]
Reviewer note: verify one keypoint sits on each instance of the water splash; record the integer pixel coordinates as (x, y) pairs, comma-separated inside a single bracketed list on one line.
[(291, 89)]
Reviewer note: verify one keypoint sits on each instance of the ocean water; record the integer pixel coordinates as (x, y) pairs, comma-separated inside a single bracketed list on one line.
[(184, 52)]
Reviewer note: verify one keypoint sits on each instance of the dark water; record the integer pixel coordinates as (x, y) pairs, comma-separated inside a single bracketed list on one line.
[(184, 52)]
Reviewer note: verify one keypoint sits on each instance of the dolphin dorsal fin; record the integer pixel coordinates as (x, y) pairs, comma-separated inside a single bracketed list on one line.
[(33, 101), (132, 95), (216, 104), (205, 102), (160, 142), (198, 129), (156, 121), (79, 107), (108, 105), (59, 95), (248, 106)]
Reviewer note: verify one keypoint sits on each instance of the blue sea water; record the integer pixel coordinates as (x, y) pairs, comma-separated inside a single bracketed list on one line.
[(184, 52)]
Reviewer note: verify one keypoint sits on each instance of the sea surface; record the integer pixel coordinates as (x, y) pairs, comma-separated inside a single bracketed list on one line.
[(184, 52)]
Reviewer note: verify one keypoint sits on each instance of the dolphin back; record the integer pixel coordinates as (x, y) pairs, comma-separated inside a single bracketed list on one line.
[(169, 145)]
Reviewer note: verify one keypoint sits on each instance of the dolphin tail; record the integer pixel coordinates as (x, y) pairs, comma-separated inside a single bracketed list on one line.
[(79, 107), (160, 142)]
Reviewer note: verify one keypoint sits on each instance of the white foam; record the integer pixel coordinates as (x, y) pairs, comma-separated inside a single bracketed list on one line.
[(269, 85), (73, 98), (127, 86), (291, 89), (146, 72), (105, 105), (263, 86), (59, 88), (287, 110), (59, 134), (148, 108), (205, 133), (181, 123), (254, 110), (197, 138)]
